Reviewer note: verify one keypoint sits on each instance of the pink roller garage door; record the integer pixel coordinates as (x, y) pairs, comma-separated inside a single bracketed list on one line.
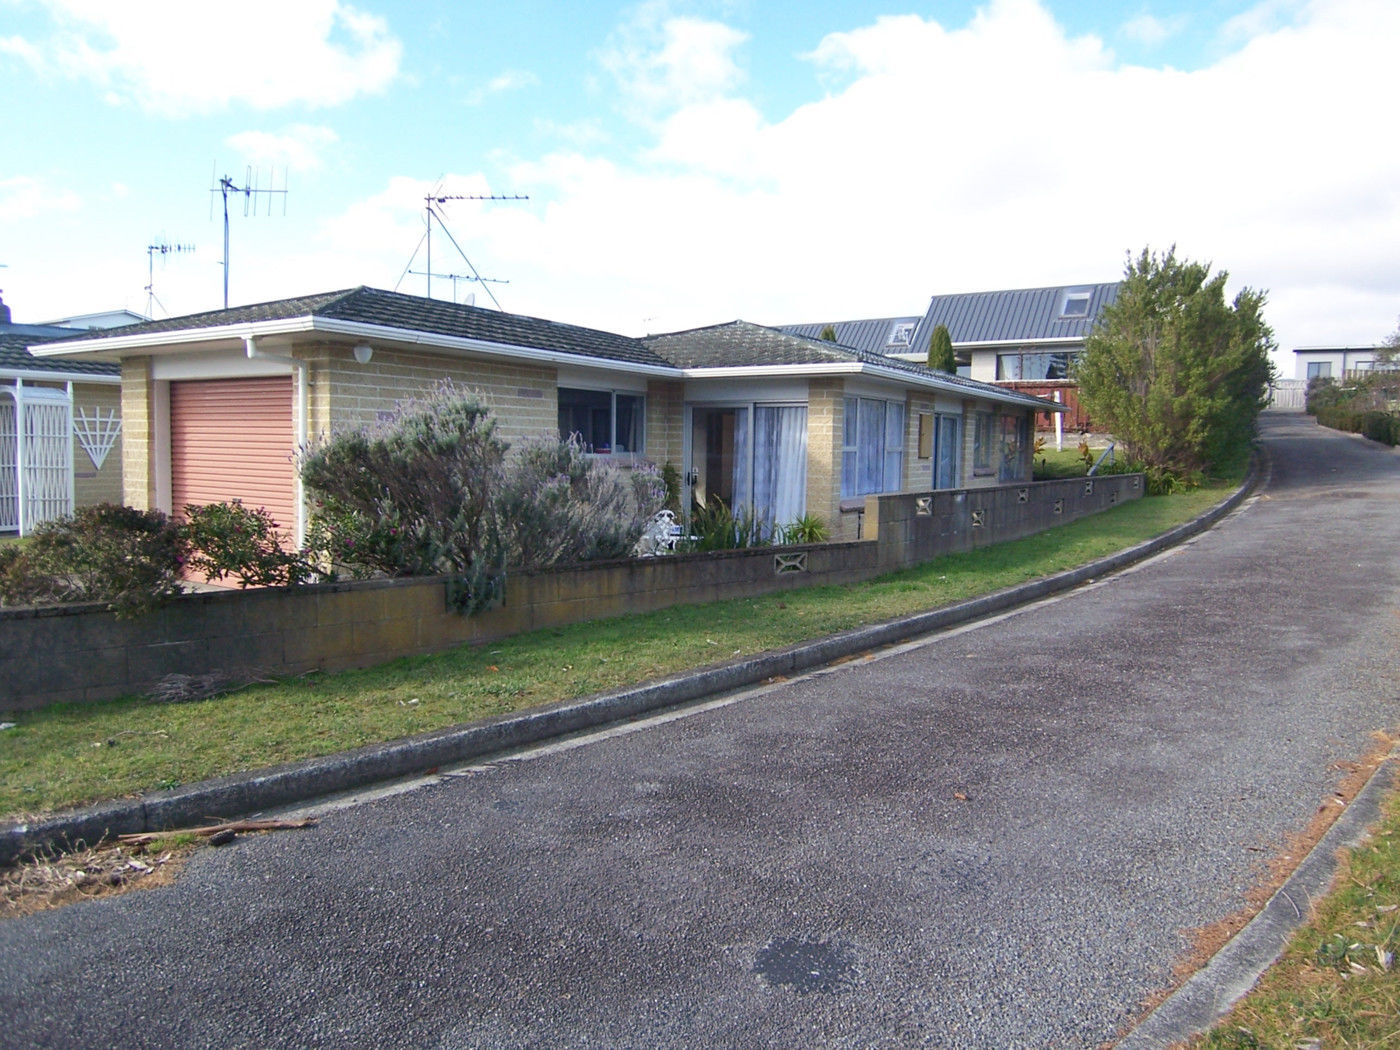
[(233, 438)]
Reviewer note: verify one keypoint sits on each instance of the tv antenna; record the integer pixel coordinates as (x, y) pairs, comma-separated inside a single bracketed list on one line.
[(455, 277), (432, 208), (253, 193), (163, 248)]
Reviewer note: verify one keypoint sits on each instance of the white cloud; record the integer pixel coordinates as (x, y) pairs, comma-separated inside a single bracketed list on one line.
[(178, 58), (511, 80), (1267, 16), (1151, 30), (299, 146), (1002, 153), (660, 60), (25, 197)]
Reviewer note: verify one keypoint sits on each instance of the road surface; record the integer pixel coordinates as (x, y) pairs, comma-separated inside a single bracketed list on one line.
[(999, 837)]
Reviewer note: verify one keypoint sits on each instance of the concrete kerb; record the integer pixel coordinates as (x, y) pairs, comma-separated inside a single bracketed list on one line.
[(245, 793), (1210, 993)]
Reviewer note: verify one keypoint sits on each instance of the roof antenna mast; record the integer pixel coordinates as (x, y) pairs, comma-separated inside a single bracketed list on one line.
[(164, 248), (253, 191), (432, 208)]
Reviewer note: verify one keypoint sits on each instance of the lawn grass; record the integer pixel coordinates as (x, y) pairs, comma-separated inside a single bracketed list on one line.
[(1338, 982), (72, 754), (1067, 462)]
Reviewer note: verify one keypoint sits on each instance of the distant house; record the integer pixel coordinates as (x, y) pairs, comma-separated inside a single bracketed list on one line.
[(1024, 338), (60, 428), (890, 336), (216, 403), (1338, 362)]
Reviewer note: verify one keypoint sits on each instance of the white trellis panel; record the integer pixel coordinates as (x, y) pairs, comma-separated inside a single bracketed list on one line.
[(9, 466), (36, 457)]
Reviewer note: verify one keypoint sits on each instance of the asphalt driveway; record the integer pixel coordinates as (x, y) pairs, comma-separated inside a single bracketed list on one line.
[(997, 838)]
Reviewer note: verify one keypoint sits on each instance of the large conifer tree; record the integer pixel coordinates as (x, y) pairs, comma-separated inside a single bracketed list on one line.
[(1174, 371)]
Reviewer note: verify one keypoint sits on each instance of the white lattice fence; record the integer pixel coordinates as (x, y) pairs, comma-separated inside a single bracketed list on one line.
[(36, 457), (9, 466)]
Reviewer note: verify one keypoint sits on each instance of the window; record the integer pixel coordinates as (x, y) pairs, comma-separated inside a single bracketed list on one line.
[(1319, 369), (900, 334), (606, 422), (872, 447), (983, 442), (1014, 432), (1034, 366), (1076, 303)]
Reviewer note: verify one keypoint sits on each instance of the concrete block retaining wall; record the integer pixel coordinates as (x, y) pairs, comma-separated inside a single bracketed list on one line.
[(82, 653)]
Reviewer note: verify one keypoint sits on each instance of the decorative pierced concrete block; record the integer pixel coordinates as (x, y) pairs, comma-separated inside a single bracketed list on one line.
[(786, 563)]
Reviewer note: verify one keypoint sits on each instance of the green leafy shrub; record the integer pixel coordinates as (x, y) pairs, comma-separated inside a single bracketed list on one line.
[(1373, 423), (1164, 481), (807, 529), (411, 496), (129, 559), (557, 505), (714, 527), (229, 540)]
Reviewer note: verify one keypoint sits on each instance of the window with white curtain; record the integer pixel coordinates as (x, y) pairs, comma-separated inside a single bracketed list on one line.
[(872, 447), (779, 464)]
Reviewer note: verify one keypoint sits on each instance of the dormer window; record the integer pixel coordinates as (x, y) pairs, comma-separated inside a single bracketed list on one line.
[(1076, 303), (901, 333)]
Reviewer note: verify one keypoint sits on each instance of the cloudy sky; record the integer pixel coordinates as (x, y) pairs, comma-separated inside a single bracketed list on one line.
[(688, 163)]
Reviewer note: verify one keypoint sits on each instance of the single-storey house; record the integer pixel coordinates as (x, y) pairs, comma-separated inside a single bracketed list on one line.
[(215, 403), (1335, 362), (60, 428)]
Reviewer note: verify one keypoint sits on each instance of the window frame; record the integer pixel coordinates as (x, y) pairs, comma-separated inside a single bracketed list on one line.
[(901, 334), (590, 447), (984, 434), (858, 459), (1076, 297), (1319, 369)]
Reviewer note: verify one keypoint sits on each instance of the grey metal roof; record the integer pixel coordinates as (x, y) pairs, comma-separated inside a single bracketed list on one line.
[(1027, 315), (874, 334), (740, 344), (15, 356), (410, 313)]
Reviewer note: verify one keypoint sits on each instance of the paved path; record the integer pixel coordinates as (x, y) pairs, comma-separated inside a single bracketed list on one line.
[(994, 839)]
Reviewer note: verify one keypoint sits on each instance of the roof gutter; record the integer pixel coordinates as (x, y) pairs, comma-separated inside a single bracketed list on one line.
[(59, 377), (352, 329)]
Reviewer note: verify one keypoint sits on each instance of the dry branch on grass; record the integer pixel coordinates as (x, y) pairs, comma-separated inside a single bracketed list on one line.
[(185, 688)]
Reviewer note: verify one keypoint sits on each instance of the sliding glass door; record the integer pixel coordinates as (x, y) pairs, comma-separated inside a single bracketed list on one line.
[(749, 456)]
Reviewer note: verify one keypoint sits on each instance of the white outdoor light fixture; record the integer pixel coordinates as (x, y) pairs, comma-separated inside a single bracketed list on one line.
[(363, 353)]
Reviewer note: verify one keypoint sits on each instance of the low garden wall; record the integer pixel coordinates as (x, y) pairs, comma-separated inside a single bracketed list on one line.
[(82, 653)]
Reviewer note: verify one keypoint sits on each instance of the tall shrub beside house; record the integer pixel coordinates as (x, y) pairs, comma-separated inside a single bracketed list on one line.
[(1174, 371), (556, 505), (940, 351), (434, 491), (412, 496)]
